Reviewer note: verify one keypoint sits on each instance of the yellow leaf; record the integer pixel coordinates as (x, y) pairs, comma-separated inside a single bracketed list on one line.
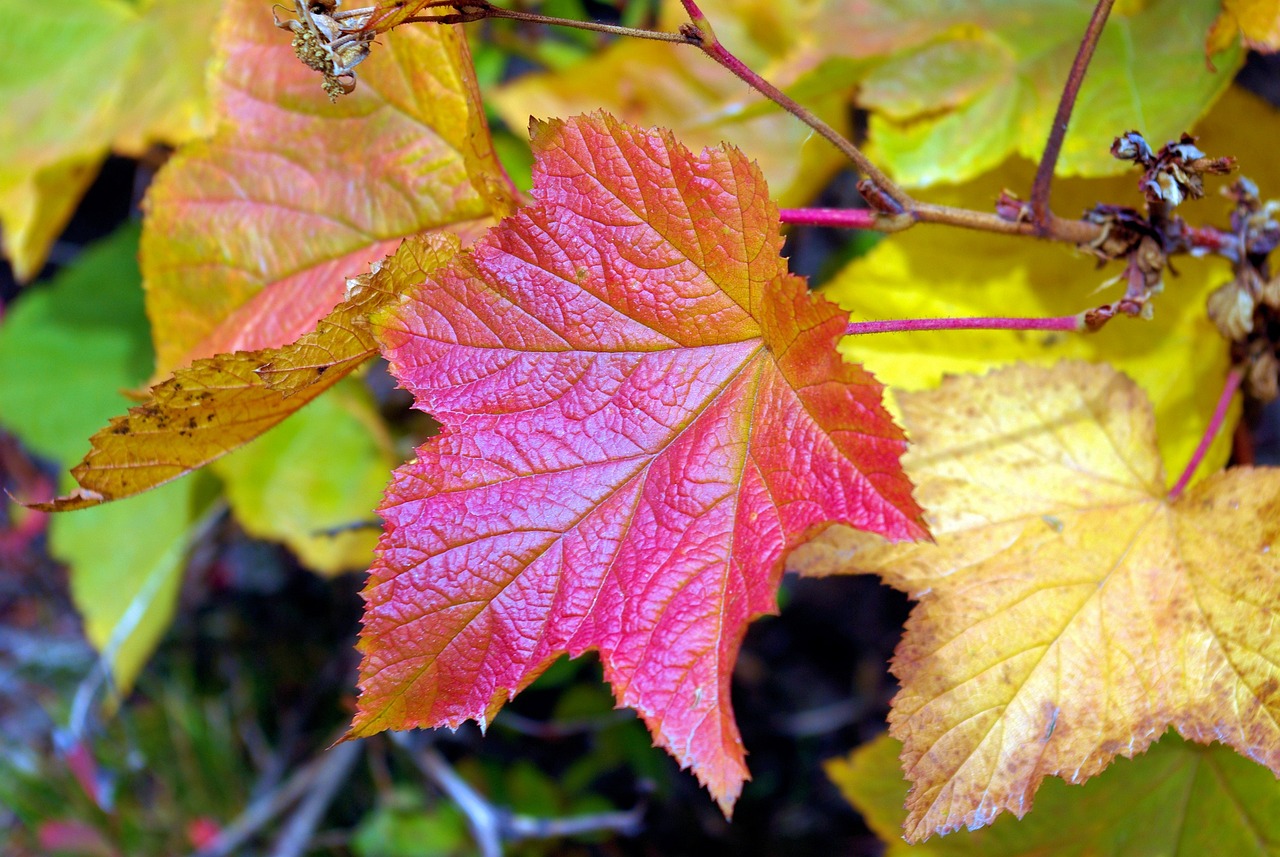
[(1069, 612), (1177, 357), (78, 79), (674, 86), (1257, 20)]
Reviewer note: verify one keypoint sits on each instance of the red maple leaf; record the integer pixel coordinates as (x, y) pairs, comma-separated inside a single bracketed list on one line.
[(643, 412)]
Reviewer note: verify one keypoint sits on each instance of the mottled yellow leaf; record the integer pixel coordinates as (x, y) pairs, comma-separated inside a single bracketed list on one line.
[(222, 402), (1069, 612)]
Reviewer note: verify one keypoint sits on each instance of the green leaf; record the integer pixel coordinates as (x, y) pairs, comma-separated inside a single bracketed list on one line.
[(1178, 799), (68, 348), (965, 85), (405, 826), (321, 469), (127, 561)]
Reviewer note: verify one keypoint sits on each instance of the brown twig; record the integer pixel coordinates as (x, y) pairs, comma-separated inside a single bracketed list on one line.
[(702, 36), (491, 825), (1040, 213)]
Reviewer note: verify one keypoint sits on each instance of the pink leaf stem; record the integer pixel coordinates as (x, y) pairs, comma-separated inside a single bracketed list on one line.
[(1065, 322), (836, 218), (1234, 377)]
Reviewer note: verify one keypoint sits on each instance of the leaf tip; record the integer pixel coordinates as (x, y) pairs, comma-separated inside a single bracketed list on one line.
[(81, 498)]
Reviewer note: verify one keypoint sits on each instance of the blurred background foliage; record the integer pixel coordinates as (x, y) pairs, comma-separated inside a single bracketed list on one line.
[(174, 666)]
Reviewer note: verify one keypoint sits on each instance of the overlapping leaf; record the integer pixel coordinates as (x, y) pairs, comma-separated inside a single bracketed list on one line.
[(674, 86), (1178, 798), (313, 481), (642, 411), (251, 235), (67, 348), (1178, 357), (1070, 612), (79, 78), (953, 91), (965, 86), (219, 403), (1257, 21)]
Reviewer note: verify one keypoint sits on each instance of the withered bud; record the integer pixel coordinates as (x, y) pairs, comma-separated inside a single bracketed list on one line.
[(1131, 146), (1009, 207), (1231, 307), (1269, 294), (1260, 380), (1244, 193), (1173, 174)]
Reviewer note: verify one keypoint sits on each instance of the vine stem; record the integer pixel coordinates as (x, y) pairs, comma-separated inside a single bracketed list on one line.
[(1072, 231), (892, 208), (1234, 377), (593, 26), (1073, 323), (711, 46), (1040, 213)]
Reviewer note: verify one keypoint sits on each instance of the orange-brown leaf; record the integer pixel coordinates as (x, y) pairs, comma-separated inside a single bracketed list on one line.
[(251, 235), (224, 401), (1069, 612)]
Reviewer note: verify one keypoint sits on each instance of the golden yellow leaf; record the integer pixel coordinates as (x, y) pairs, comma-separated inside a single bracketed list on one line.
[(1177, 357), (222, 402), (1258, 21), (1069, 612), (78, 79), (674, 86)]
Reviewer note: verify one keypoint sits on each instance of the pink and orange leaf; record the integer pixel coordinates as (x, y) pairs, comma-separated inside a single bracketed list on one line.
[(643, 411)]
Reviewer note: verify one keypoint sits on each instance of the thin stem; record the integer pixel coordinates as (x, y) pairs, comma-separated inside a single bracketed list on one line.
[(1070, 231), (712, 47), (332, 774), (836, 218), (893, 210), (594, 26), (1234, 377), (491, 825), (1040, 215), (906, 325)]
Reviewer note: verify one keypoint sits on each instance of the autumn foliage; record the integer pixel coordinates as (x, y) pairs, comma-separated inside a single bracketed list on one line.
[(645, 418)]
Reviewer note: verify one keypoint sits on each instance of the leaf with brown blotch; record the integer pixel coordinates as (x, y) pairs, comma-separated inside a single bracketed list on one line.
[(642, 410), (222, 402), (1069, 612), (250, 235)]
